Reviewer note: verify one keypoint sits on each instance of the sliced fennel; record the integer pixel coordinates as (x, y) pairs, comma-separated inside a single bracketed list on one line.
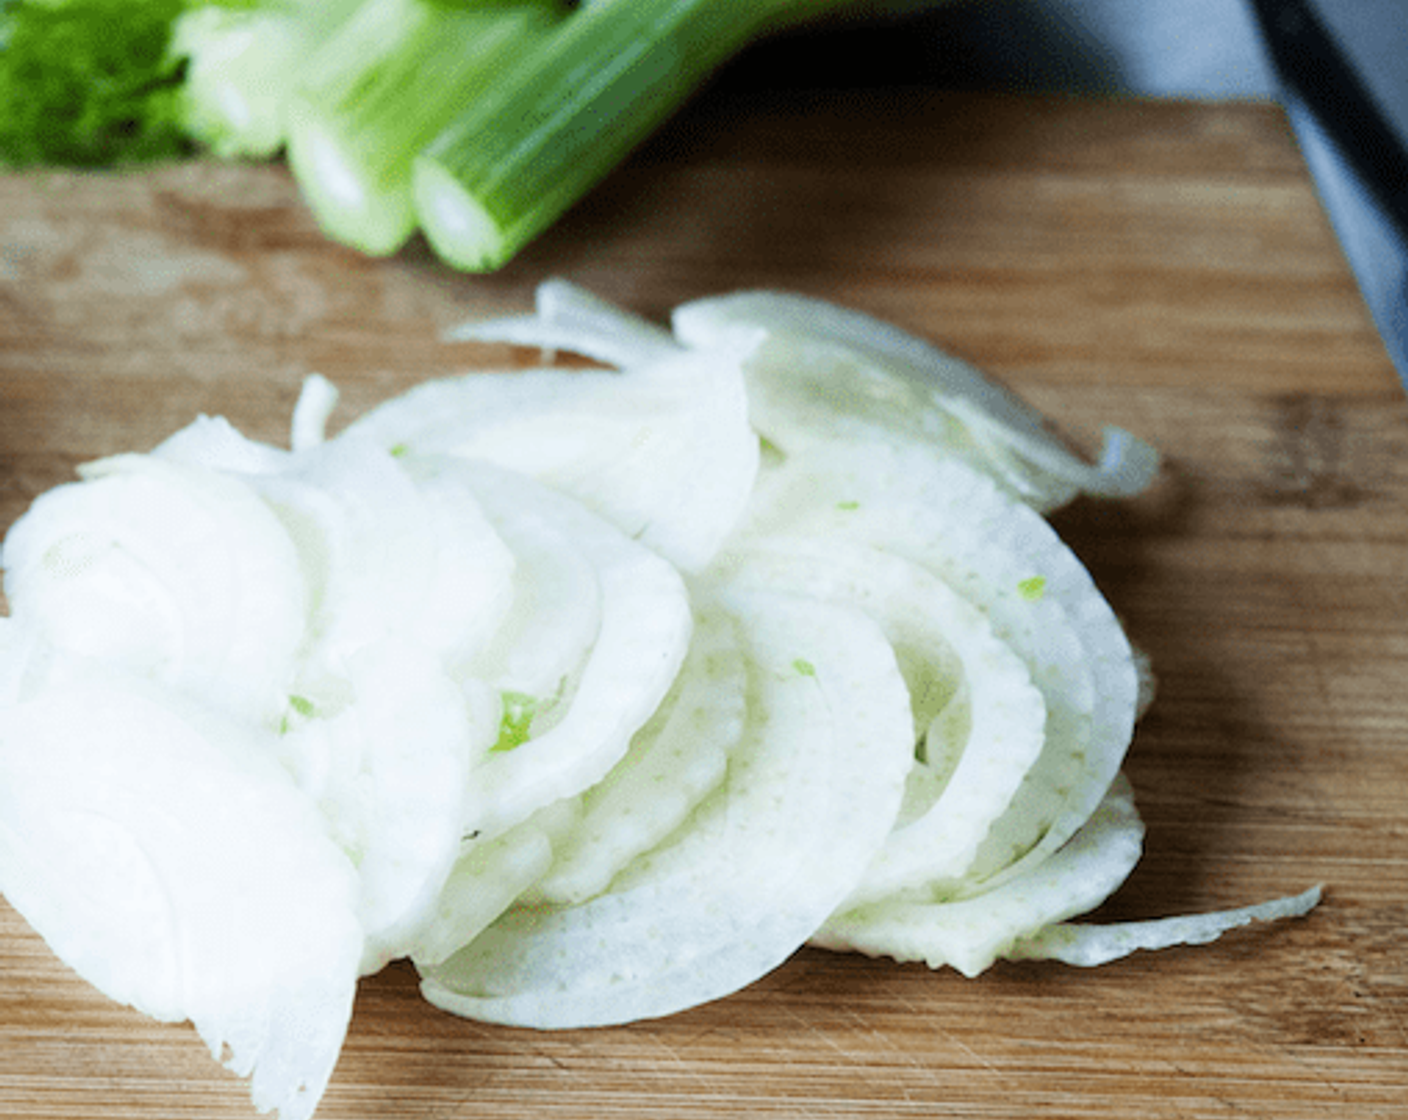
[(987, 546), (980, 722), (169, 861), (662, 448), (566, 317), (174, 571), (564, 687), (831, 373), (807, 802), (1088, 945), (216, 444), (385, 552), (551, 611), (673, 762), (817, 374), (488, 877), (391, 773), (1026, 918), (970, 934), (637, 650)]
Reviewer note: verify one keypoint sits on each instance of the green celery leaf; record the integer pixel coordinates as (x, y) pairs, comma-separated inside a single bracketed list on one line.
[(89, 83)]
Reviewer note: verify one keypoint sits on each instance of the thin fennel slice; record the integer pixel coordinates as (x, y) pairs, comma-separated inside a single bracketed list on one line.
[(385, 553), (316, 400), (168, 859), (979, 720), (642, 641), (19, 650), (363, 540), (970, 934), (663, 450), (677, 758), (213, 442), (567, 317), (1089, 945), (488, 876), (390, 773), (467, 600), (1008, 560), (175, 571), (825, 363), (810, 795), (551, 615)]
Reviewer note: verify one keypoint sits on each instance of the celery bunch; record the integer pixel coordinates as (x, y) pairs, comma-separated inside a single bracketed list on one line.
[(476, 121)]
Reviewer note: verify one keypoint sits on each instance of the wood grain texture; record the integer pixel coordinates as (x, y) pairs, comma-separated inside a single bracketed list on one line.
[(1164, 267)]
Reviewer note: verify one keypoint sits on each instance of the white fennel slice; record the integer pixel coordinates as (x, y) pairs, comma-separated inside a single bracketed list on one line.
[(390, 772), (634, 656), (550, 616), (213, 442), (567, 317), (172, 863), (316, 400), (979, 719), (677, 758), (1090, 944), (175, 571), (1007, 560), (384, 553), (830, 369), (468, 596), (971, 933), (810, 795), (21, 650), (488, 876), (663, 451)]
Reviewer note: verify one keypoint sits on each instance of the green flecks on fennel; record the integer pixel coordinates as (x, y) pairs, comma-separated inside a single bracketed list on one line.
[(299, 706), (769, 451), (1032, 589), (516, 721), (804, 667)]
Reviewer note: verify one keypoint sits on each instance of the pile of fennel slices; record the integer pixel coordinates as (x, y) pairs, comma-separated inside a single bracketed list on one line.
[(595, 692)]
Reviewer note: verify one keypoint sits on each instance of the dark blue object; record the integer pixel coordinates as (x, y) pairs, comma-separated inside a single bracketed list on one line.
[(1344, 72)]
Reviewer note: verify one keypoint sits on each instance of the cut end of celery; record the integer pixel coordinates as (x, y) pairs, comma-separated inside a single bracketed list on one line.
[(375, 218), (459, 228)]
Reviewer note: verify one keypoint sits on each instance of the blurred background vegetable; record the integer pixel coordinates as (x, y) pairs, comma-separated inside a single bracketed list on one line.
[(243, 61), (89, 83), (478, 121)]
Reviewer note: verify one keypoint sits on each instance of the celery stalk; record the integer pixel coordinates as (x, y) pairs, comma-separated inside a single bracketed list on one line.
[(242, 62), (381, 89), (573, 109)]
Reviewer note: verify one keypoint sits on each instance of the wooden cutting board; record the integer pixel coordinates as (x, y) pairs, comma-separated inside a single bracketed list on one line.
[(1164, 267)]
